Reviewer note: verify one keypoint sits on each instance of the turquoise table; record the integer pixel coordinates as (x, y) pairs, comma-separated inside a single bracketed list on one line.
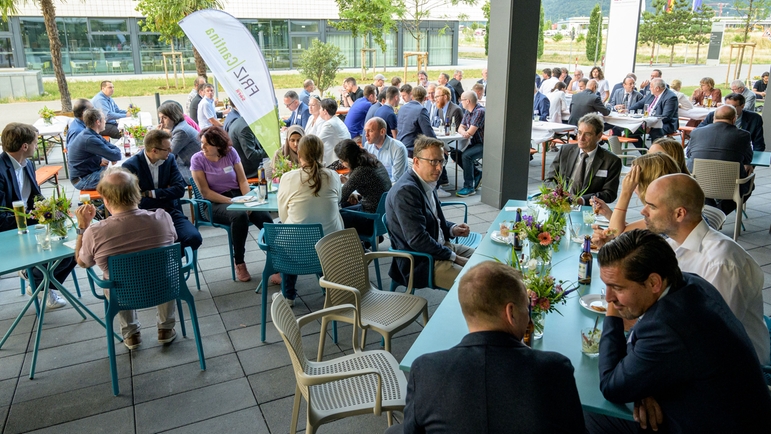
[(447, 327), (25, 253), (270, 205), (760, 158)]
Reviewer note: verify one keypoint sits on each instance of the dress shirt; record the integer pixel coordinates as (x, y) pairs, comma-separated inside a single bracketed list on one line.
[(734, 273), (206, 111), (589, 160), (430, 188), (392, 154), (24, 187), (653, 104), (153, 170), (107, 105)]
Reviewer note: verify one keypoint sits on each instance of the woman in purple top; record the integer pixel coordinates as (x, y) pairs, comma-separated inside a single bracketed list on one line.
[(219, 176)]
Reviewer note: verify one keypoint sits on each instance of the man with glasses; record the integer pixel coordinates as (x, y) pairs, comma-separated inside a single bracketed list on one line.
[(416, 222), (472, 128), (300, 111), (161, 184)]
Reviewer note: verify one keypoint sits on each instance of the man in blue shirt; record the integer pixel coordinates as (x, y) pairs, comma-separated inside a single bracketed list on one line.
[(104, 102), (77, 126), (387, 112), (90, 153), (354, 121), (305, 94)]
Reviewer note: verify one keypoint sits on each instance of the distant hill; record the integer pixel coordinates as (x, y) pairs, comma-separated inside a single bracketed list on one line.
[(556, 10)]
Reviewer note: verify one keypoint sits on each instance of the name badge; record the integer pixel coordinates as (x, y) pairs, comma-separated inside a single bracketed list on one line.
[(602, 174), (230, 169)]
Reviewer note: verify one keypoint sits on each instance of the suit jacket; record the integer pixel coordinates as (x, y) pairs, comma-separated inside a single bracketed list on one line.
[(604, 163), (484, 83), (584, 103), (667, 108), (10, 192), (750, 122), (303, 114), (453, 112), (492, 383), (618, 98), (691, 354), (457, 87), (721, 141), (411, 121), (542, 104), (453, 94), (248, 147), (412, 226), (171, 185)]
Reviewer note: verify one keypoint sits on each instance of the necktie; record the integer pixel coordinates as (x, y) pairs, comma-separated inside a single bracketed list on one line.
[(628, 100), (578, 175), (653, 105)]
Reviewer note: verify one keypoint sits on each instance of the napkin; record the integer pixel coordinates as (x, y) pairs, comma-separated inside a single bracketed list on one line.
[(251, 204)]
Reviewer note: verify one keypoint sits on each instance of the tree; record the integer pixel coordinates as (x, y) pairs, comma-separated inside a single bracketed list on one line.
[(365, 17), (413, 12), (594, 34), (672, 25), (8, 7), (320, 63), (557, 37), (163, 16), (751, 11), (540, 34), (701, 27), (649, 32), (486, 12)]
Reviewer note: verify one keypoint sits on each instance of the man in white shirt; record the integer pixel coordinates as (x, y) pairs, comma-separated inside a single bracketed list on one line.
[(673, 206), (549, 81), (332, 131), (198, 81), (389, 151), (207, 115)]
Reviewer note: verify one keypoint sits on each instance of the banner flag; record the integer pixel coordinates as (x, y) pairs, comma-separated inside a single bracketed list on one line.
[(234, 57)]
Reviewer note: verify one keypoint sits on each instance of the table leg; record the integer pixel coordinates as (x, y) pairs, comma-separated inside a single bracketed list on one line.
[(45, 154), (21, 315), (76, 302), (543, 160), (456, 166), (39, 332)]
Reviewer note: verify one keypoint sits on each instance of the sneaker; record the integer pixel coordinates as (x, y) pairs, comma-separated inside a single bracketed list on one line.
[(23, 276), (165, 336), (466, 192), (55, 301), (442, 193), (242, 274), (132, 341), (290, 302), (478, 181)]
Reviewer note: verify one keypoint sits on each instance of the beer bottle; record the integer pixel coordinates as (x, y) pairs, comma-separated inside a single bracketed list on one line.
[(585, 262), (517, 241)]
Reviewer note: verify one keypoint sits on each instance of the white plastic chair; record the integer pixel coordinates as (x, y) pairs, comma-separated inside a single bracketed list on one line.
[(346, 279), (620, 152), (720, 180), (715, 216), (362, 383)]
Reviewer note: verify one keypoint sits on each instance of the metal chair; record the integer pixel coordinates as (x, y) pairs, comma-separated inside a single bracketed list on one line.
[(145, 279), (431, 284), (378, 230), (290, 249), (205, 217), (474, 238), (715, 216), (366, 382), (720, 180), (346, 279), (32, 281)]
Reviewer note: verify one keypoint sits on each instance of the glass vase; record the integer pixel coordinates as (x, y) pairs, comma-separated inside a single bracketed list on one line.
[(542, 254), (58, 230), (539, 320)]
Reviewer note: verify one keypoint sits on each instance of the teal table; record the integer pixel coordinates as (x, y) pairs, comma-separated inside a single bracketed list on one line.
[(760, 158), (25, 254), (271, 205), (447, 327)]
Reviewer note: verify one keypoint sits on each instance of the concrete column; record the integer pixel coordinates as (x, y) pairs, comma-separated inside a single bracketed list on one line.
[(513, 48)]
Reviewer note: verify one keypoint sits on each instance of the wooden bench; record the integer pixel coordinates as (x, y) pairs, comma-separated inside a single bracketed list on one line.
[(46, 173), (621, 139), (685, 130)]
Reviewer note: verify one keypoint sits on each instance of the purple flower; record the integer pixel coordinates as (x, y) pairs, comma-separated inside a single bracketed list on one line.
[(47, 215)]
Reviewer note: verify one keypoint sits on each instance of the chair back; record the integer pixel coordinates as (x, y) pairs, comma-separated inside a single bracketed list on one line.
[(715, 216), (615, 145), (342, 261), (200, 204), (286, 324), (717, 178), (379, 226), (146, 278), (291, 247)]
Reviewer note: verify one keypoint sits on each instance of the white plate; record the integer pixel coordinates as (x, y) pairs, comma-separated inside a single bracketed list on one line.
[(244, 199), (496, 236), (592, 301), (601, 219)]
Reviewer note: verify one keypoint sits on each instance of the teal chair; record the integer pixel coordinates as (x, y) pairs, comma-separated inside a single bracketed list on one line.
[(145, 279), (767, 368), (204, 217), (473, 238), (431, 284), (192, 204), (290, 249), (379, 230)]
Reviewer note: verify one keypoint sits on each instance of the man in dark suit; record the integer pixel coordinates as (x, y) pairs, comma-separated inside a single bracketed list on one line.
[(483, 81), (300, 111), (585, 102), (470, 387), (245, 143), (413, 121), (444, 80), (587, 167), (162, 185), (679, 380), (456, 84), (662, 103), (18, 183), (416, 221), (542, 105), (446, 109), (721, 140), (746, 120), (623, 98)]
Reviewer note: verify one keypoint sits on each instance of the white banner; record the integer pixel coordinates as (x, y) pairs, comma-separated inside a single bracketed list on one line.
[(234, 57), (623, 23)]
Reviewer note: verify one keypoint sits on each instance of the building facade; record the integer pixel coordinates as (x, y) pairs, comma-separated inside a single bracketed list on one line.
[(107, 36)]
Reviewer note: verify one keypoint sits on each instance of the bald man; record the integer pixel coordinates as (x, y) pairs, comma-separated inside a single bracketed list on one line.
[(449, 391), (722, 140), (673, 208)]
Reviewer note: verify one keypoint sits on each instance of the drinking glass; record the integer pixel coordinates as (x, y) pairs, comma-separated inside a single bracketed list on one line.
[(21, 219), (85, 199), (646, 109), (589, 217), (536, 115), (43, 236), (590, 341), (575, 233)]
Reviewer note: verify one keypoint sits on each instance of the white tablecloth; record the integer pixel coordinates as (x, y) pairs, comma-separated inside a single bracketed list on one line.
[(144, 119), (696, 113), (633, 123), (543, 131), (56, 127)]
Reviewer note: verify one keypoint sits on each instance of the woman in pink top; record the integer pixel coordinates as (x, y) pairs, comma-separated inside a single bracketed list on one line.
[(219, 176)]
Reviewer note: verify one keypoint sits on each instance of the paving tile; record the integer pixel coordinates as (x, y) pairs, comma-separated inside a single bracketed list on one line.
[(263, 358), (278, 415), (180, 352), (237, 300), (273, 384), (3, 414), (199, 404), (247, 421), (72, 354), (10, 366), (7, 389), (119, 421), (244, 317)]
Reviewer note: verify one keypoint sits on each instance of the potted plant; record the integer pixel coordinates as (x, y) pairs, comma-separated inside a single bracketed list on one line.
[(47, 114)]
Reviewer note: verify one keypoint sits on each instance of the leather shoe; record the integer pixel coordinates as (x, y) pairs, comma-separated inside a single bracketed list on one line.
[(165, 336), (242, 274), (132, 341)]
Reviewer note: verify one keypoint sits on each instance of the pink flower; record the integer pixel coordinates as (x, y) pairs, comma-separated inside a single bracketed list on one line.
[(544, 304), (544, 238)]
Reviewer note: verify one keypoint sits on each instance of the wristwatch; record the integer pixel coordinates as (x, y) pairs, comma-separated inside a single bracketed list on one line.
[(80, 231)]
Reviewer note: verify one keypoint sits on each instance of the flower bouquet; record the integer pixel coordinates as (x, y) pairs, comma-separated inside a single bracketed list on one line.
[(543, 237), (132, 110), (54, 212), (283, 164), (47, 114), (138, 132), (545, 294)]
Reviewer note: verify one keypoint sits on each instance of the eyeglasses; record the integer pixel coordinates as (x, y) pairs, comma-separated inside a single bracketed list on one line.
[(463, 100), (290, 104), (434, 163), (162, 150)]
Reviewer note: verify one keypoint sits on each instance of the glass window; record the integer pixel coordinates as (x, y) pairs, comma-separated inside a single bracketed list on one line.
[(304, 26), (6, 53), (111, 53), (150, 49), (349, 47), (272, 37), (391, 52), (4, 27), (440, 48), (108, 25), (410, 44)]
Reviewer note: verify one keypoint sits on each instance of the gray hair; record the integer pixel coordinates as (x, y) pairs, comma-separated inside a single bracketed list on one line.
[(658, 83), (738, 83)]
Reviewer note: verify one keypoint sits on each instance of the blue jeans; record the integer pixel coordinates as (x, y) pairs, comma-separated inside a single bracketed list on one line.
[(467, 159), (90, 181)]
